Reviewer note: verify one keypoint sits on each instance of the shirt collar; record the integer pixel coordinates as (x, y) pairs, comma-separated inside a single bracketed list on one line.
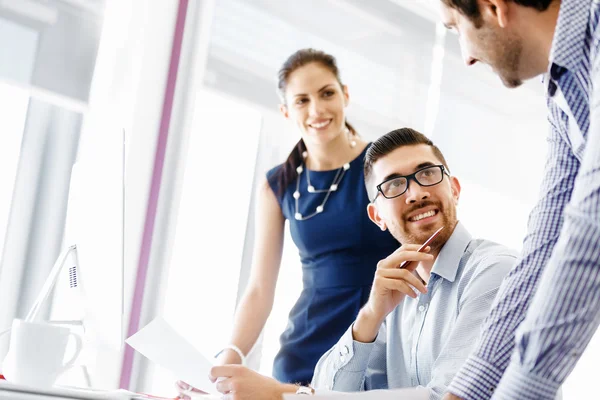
[(447, 261), (569, 36)]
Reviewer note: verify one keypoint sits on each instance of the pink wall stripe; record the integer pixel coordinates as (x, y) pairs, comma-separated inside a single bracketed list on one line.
[(159, 158)]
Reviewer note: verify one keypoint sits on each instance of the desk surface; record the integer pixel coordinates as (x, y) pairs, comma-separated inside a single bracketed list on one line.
[(20, 392)]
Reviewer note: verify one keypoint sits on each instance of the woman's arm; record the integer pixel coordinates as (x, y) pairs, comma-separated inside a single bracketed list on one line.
[(257, 302)]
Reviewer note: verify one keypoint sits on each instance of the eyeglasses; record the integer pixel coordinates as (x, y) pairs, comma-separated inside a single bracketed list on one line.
[(397, 186)]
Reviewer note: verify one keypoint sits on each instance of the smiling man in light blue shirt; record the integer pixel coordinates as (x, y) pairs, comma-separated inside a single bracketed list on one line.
[(422, 321)]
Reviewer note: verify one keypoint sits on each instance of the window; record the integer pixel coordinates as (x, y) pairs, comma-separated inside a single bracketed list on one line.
[(13, 103), (211, 225)]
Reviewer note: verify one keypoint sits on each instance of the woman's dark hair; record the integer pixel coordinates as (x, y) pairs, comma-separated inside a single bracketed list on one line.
[(299, 59), (390, 142)]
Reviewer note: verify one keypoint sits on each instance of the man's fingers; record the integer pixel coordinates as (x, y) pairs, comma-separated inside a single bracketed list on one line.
[(404, 275), (395, 259), (399, 286)]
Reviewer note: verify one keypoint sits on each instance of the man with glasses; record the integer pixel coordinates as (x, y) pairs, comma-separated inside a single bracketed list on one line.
[(421, 320)]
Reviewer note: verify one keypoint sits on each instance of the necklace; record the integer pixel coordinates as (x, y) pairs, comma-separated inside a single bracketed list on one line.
[(311, 189)]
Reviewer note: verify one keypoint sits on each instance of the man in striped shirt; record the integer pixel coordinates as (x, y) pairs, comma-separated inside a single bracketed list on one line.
[(548, 306)]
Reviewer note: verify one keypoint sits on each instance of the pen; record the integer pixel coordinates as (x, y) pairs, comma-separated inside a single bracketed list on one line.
[(427, 242)]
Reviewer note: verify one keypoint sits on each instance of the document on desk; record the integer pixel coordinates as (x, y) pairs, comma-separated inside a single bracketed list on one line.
[(395, 394), (161, 344)]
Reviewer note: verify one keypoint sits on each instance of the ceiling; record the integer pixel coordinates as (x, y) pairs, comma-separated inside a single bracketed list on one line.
[(384, 49)]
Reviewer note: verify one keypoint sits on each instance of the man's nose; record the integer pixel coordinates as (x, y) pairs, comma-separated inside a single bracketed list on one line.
[(469, 60), (416, 192)]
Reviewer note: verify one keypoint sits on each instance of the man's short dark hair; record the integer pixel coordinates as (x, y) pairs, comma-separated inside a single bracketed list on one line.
[(390, 142), (470, 9)]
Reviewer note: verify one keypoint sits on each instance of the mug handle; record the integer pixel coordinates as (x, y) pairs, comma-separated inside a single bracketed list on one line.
[(78, 345)]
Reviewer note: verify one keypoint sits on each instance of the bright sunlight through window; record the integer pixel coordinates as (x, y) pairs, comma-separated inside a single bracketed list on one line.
[(13, 103)]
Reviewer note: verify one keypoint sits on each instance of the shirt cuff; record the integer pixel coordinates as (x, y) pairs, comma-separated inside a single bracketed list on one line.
[(476, 380), (353, 356), (518, 383), (348, 362)]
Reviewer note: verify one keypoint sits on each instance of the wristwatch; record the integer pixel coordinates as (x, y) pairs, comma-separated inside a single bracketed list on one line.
[(305, 390)]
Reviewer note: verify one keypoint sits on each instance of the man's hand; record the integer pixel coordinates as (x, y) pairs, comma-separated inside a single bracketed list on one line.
[(450, 396), (390, 286), (241, 383)]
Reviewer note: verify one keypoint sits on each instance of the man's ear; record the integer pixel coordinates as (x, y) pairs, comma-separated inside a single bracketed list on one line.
[(455, 186), (375, 217), (495, 9), (283, 109)]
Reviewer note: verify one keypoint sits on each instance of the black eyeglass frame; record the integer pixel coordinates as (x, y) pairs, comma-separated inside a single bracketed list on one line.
[(411, 177)]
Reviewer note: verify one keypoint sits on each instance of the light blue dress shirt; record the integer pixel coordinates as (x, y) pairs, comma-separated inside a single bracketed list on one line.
[(424, 341)]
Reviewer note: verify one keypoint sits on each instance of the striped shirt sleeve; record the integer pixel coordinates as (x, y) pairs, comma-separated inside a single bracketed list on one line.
[(481, 373), (565, 311)]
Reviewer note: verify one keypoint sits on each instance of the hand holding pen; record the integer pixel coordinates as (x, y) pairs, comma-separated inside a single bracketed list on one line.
[(394, 280), (424, 245)]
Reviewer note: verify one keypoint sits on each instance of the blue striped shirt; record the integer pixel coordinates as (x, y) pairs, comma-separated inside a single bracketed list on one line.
[(532, 338), (425, 340)]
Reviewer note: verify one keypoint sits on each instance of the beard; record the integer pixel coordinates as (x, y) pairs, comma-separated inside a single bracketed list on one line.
[(504, 55), (407, 234)]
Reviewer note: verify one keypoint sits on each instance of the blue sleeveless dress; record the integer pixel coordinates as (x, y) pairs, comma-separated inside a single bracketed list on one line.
[(339, 250)]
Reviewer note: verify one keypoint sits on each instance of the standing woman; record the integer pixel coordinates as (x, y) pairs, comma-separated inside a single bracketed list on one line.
[(320, 190)]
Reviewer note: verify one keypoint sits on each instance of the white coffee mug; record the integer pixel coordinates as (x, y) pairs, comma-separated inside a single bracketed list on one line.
[(36, 353)]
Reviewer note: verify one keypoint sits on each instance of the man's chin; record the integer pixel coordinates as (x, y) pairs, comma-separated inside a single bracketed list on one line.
[(511, 83), (508, 79), (422, 235)]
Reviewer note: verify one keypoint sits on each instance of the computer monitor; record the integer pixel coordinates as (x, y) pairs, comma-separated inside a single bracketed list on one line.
[(95, 226)]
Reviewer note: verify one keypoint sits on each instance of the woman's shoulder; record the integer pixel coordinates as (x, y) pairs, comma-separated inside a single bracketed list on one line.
[(274, 171), (273, 180), (363, 153)]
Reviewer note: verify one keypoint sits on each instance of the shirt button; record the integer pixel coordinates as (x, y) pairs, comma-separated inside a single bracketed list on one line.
[(552, 88), (421, 308), (345, 350)]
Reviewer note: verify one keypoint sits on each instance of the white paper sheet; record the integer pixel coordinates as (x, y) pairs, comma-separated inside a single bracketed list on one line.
[(397, 394), (161, 344)]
